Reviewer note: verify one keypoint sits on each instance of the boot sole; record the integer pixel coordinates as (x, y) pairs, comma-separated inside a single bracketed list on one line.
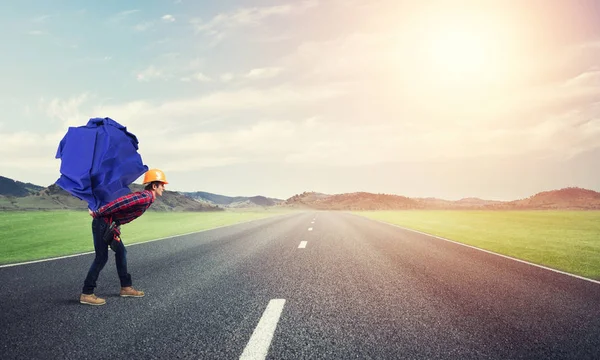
[(89, 303), (136, 296)]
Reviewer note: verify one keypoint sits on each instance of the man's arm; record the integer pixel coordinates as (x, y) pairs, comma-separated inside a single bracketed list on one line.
[(123, 203)]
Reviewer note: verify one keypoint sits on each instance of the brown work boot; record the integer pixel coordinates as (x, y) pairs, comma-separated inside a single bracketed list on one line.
[(131, 292), (91, 299)]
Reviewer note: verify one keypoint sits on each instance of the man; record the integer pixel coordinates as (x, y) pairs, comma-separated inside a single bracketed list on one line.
[(120, 211)]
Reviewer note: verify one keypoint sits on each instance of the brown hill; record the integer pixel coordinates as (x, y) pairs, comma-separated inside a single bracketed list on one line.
[(367, 201), (568, 198), (351, 201), (304, 200), (465, 203)]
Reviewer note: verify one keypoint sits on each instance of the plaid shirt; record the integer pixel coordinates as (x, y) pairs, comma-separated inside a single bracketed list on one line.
[(126, 208)]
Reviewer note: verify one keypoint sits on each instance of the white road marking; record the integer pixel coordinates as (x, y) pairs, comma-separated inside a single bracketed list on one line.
[(312, 222), (487, 251), (309, 229), (54, 258), (260, 341), (302, 244)]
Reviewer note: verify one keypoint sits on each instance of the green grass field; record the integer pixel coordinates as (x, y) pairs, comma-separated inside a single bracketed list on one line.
[(32, 235), (563, 240)]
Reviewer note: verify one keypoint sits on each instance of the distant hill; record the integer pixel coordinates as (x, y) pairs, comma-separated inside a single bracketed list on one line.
[(174, 201), (10, 187), (232, 202), (55, 198), (305, 200), (567, 199), (365, 201), (16, 195), (572, 198), (465, 203), (352, 201)]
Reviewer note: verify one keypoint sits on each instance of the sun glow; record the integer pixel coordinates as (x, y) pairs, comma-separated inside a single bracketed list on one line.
[(465, 49), (460, 53)]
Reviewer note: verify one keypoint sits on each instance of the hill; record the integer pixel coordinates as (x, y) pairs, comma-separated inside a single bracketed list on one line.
[(305, 200), (572, 198), (232, 202), (174, 201), (563, 199), (16, 195), (55, 198), (351, 201), (10, 187)]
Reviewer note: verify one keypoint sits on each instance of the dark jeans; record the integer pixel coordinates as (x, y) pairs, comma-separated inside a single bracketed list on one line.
[(98, 228)]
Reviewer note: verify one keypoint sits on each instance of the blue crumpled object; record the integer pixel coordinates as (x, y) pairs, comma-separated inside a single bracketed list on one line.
[(99, 161)]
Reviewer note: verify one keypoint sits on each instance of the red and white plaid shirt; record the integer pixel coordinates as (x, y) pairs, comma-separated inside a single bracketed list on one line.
[(126, 208)]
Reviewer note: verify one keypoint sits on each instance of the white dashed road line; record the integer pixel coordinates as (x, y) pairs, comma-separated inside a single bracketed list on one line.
[(302, 244), (309, 229), (260, 341)]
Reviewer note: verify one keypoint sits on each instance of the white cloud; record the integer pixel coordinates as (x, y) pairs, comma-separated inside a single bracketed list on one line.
[(263, 73), (37, 32), (168, 18), (588, 45), (24, 151), (185, 111), (173, 65), (42, 18), (586, 79), (195, 64), (352, 54), (179, 119), (219, 25), (122, 15), (227, 77), (68, 111), (376, 123), (201, 77), (143, 26), (267, 39), (198, 77), (150, 73)]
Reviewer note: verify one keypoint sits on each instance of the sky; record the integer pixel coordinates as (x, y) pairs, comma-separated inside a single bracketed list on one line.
[(496, 99)]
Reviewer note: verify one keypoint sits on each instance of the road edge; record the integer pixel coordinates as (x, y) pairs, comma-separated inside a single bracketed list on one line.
[(484, 250), (137, 243)]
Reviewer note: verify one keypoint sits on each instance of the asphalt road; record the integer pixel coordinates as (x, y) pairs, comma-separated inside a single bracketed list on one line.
[(359, 289)]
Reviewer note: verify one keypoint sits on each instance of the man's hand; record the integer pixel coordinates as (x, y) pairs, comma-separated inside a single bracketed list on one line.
[(91, 213)]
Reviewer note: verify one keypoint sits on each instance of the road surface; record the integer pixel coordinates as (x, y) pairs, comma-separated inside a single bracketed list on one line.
[(313, 285)]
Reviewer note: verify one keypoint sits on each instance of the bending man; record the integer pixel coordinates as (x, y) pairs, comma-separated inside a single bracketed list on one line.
[(116, 213)]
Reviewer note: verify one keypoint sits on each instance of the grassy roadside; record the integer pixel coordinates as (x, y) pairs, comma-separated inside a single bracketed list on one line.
[(32, 235), (563, 240)]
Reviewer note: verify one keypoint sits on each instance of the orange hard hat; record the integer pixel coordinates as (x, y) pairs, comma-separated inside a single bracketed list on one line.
[(155, 175)]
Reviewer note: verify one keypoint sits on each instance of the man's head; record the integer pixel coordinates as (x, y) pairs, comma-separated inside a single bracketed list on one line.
[(156, 187), (155, 181)]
